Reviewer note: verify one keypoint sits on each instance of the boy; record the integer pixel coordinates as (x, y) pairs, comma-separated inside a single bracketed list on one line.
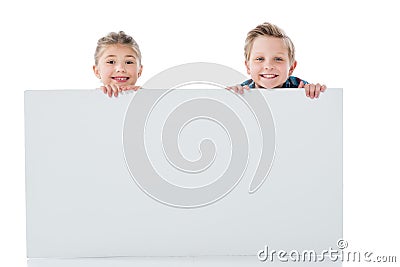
[(270, 61)]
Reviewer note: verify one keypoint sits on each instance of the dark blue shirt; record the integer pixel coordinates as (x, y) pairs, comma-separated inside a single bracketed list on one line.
[(291, 82)]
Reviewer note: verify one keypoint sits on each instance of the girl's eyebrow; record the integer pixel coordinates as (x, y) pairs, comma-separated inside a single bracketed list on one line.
[(116, 55)]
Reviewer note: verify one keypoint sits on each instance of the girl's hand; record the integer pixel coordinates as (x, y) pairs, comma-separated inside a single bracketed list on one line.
[(238, 88), (114, 90), (130, 87)]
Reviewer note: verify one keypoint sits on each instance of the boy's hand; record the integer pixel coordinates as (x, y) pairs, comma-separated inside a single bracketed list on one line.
[(238, 88), (114, 90), (312, 90)]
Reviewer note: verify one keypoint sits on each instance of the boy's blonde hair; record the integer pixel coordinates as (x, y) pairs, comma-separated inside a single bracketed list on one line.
[(116, 38), (268, 29)]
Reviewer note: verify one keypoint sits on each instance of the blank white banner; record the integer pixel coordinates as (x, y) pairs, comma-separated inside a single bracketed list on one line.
[(182, 177)]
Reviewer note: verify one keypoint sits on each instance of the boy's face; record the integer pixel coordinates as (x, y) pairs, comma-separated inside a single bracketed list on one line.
[(269, 65), (118, 65)]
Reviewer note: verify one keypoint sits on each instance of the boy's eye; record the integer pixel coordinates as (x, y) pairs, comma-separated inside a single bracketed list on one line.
[(130, 62), (110, 61), (279, 59)]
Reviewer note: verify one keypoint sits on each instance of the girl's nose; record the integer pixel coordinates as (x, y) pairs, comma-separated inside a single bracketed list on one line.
[(120, 67)]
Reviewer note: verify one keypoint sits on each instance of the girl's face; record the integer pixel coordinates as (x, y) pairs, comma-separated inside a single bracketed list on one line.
[(269, 65), (118, 65)]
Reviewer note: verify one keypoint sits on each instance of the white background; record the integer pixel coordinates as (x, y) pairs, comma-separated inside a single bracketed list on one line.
[(352, 45)]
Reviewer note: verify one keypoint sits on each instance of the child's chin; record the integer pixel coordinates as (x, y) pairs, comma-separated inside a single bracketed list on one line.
[(267, 85), (125, 84)]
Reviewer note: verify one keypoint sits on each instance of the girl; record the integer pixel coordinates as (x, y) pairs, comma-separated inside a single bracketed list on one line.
[(117, 63)]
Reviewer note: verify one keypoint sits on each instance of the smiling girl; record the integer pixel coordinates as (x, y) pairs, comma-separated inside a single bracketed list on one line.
[(117, 63)]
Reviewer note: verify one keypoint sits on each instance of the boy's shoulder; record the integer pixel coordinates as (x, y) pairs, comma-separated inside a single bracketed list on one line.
[(291, 82), (250, 83)]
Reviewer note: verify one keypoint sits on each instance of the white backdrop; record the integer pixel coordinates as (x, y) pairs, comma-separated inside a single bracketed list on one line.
[(50, 45)]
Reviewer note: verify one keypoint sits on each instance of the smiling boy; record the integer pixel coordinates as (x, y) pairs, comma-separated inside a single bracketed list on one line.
[(270, 62)]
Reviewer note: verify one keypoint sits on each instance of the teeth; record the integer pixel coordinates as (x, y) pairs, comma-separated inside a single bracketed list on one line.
[(268, 75), (120, 78)]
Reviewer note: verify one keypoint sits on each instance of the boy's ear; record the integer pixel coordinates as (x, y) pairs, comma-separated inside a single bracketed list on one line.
[(292, 67), (96, 71), (247, 67)]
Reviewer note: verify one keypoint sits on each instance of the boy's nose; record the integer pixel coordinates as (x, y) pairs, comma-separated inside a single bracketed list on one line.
[(268, 64)]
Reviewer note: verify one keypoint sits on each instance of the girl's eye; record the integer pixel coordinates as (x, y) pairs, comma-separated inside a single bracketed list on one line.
[(279, 59), (259, 59)]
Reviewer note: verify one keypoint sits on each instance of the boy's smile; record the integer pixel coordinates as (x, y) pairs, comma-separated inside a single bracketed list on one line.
[(269, 65), (269, 76)]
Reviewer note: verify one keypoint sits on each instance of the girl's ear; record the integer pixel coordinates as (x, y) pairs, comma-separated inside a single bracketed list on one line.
[(140, 71), (247, 67), (292, 67), (96, 71)]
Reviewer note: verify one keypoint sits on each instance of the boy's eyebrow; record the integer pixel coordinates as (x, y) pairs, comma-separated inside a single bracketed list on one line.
[(255, 53), (261, 52)]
